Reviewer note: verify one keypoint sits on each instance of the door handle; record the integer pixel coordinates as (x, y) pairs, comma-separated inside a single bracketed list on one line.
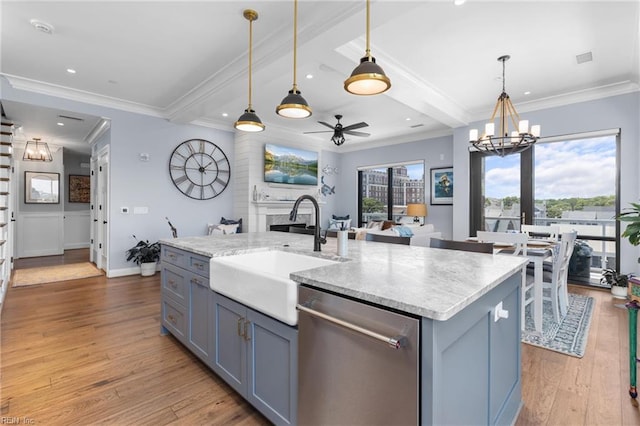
[(104, 222), (395, 342)]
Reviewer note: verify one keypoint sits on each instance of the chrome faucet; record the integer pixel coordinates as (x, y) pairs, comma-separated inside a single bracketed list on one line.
[(317, 239)]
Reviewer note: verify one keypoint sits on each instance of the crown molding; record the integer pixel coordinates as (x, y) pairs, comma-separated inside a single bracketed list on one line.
[(563, 99), (49, 89)]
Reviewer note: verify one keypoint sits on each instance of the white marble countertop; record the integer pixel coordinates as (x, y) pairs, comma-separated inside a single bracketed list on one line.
[(433, 283)]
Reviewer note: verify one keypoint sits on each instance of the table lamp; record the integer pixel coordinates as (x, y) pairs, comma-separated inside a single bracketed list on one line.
[(417, 211)]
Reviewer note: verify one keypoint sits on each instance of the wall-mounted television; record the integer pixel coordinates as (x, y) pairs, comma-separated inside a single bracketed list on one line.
[(293, 166)]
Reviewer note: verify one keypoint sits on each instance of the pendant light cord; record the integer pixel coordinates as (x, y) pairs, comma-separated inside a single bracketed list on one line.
[(368, 48), (250, 46), (295, 43)]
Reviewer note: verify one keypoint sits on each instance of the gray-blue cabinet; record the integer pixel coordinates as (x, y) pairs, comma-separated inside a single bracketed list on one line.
[(187, 300), (257, 356)]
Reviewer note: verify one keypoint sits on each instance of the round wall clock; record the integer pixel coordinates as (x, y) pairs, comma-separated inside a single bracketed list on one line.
[(199, 169)]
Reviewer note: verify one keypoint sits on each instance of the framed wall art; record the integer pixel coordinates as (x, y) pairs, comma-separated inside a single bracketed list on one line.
[(41, 188), (442, 185), (79, 188)]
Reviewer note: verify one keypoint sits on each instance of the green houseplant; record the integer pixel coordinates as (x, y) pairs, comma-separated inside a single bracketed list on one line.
[(632, 218), (146, 255), (617, 281)]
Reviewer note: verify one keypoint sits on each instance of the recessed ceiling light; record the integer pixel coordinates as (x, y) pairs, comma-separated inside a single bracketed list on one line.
[(527, 92), (459, 2), (71, 71), (42, 26), (408, 119), (60, 124), (224, 114), (309, 76)]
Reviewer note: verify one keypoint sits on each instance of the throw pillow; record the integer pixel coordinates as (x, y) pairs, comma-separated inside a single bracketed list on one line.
[(340, 217), (224, 221), (374, 225), (222, 229), (387, 224)]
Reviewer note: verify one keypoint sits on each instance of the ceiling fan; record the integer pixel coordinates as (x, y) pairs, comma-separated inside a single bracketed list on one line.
[(339, 131)]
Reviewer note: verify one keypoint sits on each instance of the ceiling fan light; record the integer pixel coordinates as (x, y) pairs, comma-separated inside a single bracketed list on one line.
[(294, 106), (249, 122), (367, 78)]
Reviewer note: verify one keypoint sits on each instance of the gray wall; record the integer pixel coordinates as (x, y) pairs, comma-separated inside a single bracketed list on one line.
[(72, 166), (435, 152)]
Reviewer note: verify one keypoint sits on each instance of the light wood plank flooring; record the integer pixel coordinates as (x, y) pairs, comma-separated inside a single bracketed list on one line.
[(89, 352)]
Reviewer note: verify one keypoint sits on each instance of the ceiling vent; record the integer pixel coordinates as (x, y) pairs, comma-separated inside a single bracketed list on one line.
[(416, 126), (585, 57)]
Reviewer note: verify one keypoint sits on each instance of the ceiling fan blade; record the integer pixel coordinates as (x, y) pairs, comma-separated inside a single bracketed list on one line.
[(352, 133), (321, 131), (356, 126), (326, 124)]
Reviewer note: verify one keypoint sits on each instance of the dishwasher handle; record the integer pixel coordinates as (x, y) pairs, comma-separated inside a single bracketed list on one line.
[(395, 342)]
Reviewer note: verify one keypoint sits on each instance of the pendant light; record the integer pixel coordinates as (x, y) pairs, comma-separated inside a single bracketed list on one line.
[(505, 142), (249, 121), (368, 77), (294, 105), (36, 151)]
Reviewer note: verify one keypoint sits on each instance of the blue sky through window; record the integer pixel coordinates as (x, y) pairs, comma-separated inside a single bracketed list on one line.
[(580, 168)]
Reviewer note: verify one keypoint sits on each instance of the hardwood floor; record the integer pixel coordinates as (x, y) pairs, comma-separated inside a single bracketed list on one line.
[(90, 351)]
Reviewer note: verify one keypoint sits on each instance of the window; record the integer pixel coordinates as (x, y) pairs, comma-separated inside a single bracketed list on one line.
[(571, 183), (384, 192)]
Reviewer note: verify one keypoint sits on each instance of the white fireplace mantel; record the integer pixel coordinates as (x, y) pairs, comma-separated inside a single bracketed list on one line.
[(262, 209)]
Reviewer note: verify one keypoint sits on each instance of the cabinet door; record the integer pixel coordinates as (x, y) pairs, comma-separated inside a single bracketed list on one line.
[(229, 358), (199, 318), (272, 368)]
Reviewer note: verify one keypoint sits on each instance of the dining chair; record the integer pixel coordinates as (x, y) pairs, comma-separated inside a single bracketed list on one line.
[(518, 242), (556, 280), (461, 245), (550, 232)]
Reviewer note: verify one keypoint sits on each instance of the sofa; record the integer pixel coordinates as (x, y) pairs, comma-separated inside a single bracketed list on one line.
[(420, 234)]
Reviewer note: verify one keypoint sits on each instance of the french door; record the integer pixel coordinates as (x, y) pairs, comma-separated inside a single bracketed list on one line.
[(570, 183)]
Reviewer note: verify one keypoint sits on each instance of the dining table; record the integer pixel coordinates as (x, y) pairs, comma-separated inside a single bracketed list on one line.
[(538, 250)]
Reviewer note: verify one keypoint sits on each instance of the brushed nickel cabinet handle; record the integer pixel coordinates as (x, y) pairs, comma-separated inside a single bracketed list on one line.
[(172, 319), (240, 326), (173, 284), (246, 331)]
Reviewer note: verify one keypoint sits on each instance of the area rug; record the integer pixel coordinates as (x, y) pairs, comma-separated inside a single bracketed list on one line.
[(570, 335), (49, 274)]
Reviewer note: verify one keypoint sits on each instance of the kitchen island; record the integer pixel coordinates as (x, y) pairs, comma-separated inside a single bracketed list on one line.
[(469, 353)]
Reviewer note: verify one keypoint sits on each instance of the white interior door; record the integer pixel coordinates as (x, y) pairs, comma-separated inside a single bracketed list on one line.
[(102, 211)]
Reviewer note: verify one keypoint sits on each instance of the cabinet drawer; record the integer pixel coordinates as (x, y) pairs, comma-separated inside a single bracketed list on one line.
[(175, 283), (184, 259), (198, 264), (174, 256), (173, 318)]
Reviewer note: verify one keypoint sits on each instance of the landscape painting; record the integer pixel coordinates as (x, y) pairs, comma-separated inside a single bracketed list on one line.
[(283, 164)]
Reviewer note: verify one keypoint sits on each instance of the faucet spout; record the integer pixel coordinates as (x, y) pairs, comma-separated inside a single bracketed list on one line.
[(317, 239)]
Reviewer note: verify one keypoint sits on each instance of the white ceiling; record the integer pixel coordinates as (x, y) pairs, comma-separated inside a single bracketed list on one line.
[(187, 61)]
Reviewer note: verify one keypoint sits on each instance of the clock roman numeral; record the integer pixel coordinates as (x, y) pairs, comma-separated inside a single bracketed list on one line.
[(181, 179)]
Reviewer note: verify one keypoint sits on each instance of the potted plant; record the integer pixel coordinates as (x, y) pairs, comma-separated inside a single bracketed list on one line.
[(617, 281), (146, 255)]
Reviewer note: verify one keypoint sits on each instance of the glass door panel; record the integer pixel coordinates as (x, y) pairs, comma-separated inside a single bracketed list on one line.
[(374, 194), (501, 193), (575, 189)]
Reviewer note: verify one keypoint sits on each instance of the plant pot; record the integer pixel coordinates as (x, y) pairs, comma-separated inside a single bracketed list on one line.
[(148, 269), (619, 292)]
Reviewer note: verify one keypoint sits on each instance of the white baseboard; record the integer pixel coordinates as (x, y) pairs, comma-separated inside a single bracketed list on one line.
[(123, 272), (75, 246)]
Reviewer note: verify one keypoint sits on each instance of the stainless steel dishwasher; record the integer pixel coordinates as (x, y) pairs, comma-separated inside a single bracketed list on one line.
[(357, 364)]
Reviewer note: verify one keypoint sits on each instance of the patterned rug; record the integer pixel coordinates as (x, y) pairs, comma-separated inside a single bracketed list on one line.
[(49, 274), (570, 335)]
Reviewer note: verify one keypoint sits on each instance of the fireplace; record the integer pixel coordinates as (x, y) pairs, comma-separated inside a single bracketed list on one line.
[(285, 227)]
